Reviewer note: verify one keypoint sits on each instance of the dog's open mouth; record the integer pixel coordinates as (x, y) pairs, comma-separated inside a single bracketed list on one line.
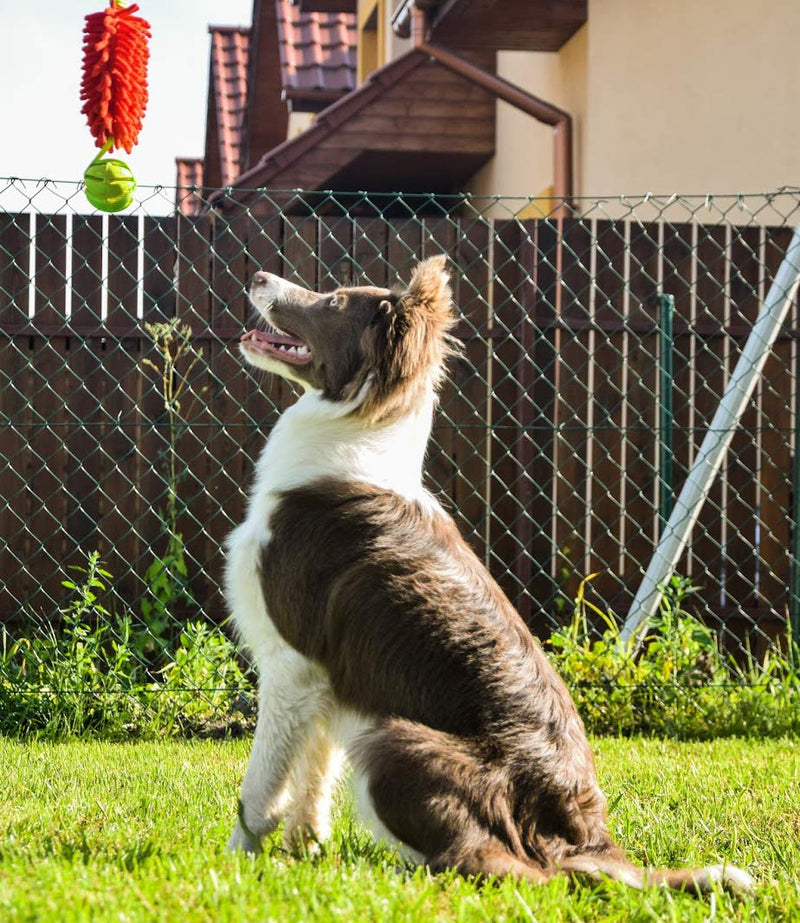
[(284, 346)]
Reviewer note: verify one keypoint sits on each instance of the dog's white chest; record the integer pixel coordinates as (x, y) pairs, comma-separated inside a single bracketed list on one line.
[(245, 547)]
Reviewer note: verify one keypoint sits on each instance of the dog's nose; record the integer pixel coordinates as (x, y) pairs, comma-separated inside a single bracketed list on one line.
[(263, 278)]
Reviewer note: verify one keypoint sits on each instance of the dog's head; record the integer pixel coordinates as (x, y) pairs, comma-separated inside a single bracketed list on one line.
[(372, 347)]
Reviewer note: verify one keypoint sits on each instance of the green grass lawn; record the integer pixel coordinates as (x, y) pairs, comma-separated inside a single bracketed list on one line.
[(136, 831)]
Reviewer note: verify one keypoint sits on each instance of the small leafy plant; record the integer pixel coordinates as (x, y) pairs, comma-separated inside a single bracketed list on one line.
[(87, 676), (167, 576), (678, 683), (82, 677)]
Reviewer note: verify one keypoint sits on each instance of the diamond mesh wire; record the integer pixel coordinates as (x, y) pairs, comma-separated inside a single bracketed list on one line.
[(549, 444)]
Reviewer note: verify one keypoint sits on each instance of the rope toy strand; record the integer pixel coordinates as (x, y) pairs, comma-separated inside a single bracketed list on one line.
[(114, 94)]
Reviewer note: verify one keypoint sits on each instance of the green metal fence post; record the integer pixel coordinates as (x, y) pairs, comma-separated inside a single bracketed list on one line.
[(666, 419)]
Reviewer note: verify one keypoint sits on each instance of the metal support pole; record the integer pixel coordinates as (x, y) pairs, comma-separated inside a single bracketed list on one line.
[(715, 445), (666, 419)]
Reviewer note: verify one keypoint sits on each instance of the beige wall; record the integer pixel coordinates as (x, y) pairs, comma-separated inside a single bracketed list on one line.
[(688, 96)]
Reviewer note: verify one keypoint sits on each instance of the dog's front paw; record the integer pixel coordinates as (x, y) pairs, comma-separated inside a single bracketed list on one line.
[(242, 840)]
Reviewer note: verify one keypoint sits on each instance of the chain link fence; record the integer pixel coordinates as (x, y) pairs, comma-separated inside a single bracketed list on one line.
[(598, 337)]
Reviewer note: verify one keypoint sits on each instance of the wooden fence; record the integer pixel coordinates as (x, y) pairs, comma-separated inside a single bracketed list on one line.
[(546, 443)]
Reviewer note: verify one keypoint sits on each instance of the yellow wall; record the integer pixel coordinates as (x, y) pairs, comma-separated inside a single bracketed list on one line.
[(372, 24), (686, 96)]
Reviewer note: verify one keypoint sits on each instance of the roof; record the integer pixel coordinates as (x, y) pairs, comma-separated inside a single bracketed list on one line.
[(411, 126), (511, 25), (189, 174), (318, 55), (228, 83)]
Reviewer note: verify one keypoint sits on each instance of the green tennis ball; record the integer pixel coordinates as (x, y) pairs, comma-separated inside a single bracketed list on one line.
[(109, 184)]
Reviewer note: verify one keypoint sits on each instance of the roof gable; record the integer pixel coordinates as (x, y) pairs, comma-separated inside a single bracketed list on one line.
[(411, 125)]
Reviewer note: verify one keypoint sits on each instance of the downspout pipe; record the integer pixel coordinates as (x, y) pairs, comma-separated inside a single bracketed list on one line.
[(715, 445), (542, 111)]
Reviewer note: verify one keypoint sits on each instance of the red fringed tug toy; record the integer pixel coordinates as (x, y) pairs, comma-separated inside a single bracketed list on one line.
[(114, 94)]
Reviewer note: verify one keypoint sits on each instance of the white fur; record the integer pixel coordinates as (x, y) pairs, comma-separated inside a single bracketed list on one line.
[(301, 733), (728, 876)]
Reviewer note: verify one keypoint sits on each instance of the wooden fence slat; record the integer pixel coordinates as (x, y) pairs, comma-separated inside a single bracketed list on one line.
[(776, 423), (508, 315), (83, 439), (370, 251), (710, 377), (405, 248), (677, 264), (640, 403), (15, 243), (45, 474), (535, 438), (87, 270), (439, 236), (158, 280), (334, 252), (605, 468), (50, 269), (121, 388), (123, 268), (572, 405), (46, 466), (741, 468), (193, 272), (15, 544), (229, 310), (299, 251), (470, 377), (194, 287)]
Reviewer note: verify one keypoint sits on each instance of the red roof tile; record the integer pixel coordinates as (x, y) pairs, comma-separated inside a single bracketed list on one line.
[(318, 54), (189, 174), (229, 55)]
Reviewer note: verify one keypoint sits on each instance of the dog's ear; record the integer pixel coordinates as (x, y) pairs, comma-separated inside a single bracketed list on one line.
[(407, 341), (429, 296)]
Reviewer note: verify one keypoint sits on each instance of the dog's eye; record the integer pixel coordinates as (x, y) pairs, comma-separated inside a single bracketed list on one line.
[(334, 301)]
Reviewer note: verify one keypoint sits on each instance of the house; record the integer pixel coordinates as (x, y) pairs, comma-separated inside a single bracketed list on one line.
[(264, 85), (518, 98)]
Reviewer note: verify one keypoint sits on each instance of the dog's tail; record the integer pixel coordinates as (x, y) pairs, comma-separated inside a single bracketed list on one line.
[(696, 881)]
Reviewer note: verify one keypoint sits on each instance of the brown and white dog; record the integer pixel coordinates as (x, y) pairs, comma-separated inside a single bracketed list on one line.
[(379, 636)]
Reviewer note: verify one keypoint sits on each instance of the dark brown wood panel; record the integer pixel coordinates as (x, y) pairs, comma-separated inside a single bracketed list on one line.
[(606, 508), (741, 467), (439, 237), (87, 270), (470, 376), (15, 412), (640, 399), (15, 242), (571, 414), (45, 473), (50, 269), (710, 377), (776, 421), (159, 268), (334, 249), (370, 252), (123, 268), (506, 550)]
